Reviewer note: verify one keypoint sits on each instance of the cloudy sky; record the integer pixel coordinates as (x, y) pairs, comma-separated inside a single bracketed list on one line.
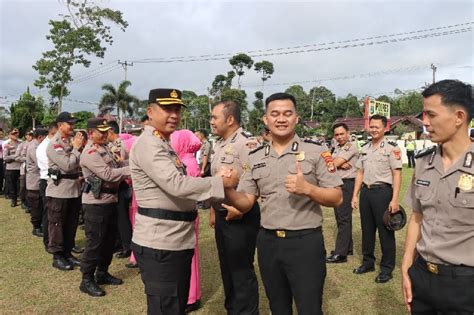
[(166, 29)]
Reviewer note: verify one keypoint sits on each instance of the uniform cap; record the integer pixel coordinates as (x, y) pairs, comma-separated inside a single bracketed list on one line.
[(66, 117), (165, 97), (395, 221), (98, 123), (14, 131)]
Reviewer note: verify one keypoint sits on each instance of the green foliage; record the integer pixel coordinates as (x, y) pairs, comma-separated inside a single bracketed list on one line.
[(82, 118), (265, 68), (118, 99), (408, 104), (256, 125), (82, 33), (26, 112), (239, 62), (196, 115)]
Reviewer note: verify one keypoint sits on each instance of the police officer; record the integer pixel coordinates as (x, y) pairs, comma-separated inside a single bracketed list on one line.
[(345, 157), (293, 178), (99, 202), (63, 191), (378, 180), (21, 157), (163, 237), (438, 264), (235, 235), (12, 168), (33, 180)]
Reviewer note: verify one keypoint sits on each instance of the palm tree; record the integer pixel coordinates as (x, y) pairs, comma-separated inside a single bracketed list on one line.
[(118, 99)]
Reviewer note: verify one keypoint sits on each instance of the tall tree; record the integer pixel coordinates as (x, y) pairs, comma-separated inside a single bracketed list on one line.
[(83, 32), (255, 125), (82, 118), (26, 112), (265, 68), (118, 99), (239, 62)]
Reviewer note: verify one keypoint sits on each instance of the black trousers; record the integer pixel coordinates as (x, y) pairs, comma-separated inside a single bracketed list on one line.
[(22, 189), (166, 275), (343, 215), (411, 158), (44, 222), (236, 241), (12, 183), (35, 202), (123, 215), (100, 226), (63, 217), (373, 204), (440, 294), (2, 175), (293, 267)]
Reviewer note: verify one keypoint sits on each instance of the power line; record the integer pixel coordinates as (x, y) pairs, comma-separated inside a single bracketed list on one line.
[(98, 74), (91, 71)]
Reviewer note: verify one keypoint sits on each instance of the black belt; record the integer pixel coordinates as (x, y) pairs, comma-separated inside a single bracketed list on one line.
[(348, 179), (105, 190), (376, 186), (444, 270), (290, 233), (164, 214), (69, 176)]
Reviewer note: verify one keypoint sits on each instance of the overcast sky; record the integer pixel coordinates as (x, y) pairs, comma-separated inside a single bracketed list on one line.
[(159, 29)]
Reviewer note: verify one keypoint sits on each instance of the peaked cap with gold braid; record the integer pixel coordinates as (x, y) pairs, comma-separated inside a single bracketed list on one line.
[(164, 97)]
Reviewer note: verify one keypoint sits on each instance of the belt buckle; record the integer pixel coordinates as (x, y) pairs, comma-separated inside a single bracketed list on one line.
[(280, 234), (432, 268)]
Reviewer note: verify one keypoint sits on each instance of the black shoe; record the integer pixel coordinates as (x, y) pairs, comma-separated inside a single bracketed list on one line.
[(62, 264), (383, 277), (363, 269), (123, 254), (350, 253), (193, 307), (23, 206), (73, 260), (131, 265), (77, 250), (37, 232), (335, 258), (13, 204), (106, 278), (91, 288)]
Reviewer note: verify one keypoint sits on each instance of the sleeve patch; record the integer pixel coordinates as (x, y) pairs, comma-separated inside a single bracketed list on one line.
[(396, 154), (326, 155)]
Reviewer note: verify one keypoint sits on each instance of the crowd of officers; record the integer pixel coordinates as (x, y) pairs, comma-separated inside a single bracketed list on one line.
[(268, 198)]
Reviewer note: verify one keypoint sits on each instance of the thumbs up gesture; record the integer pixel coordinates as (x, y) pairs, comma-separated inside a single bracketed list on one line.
[(296, 184)]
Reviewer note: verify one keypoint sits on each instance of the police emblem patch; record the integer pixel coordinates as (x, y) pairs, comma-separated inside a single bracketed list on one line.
[(465, 182), (300, 156), (326, 155)]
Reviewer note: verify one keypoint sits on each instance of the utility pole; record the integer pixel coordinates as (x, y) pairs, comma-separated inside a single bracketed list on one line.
[(124, 65), (433, 67)]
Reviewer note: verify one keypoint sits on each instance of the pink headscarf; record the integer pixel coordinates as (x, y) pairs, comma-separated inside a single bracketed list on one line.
[(185, 144), (128, 140)]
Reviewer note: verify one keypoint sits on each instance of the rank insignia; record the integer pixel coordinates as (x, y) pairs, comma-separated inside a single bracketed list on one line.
[(468, 159), (157, 134), (347, 146), (300, 156), (178, 163), (228, 149), (465, 182), (267, 150), (174, 94), (246, 167), (294, 147), (397, 154), (326, 155)]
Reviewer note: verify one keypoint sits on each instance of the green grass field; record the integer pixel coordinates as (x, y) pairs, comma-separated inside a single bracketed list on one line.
[(29, 285)]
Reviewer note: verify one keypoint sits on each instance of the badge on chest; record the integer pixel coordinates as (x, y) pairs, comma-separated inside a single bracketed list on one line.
[(465, 182)]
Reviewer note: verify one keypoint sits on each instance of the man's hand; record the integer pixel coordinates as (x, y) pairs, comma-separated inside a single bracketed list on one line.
[(406, 288), (296, 184), (77, 141), (394, 206), (232, 213), (229, 176), (212, 218), (346, 166), (355, 203)]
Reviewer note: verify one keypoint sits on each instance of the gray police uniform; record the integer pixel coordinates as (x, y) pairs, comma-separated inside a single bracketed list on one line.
[(63, 194), (343, 213), (377, 164), (12, 170), (163, 238), (236, 239), (21, 157), (291, 253), (32, 185), (99, 202), (443, 274)]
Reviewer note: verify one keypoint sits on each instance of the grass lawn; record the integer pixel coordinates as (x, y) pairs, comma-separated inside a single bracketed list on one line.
[(30, 285)]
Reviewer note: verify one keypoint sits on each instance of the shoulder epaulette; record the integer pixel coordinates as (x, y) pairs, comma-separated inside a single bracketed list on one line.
[(246, 135), (365, 144), (392, 143), (258, 148), (318, 142), (426, 151)]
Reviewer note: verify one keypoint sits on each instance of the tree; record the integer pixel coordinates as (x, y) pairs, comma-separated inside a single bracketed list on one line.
[(81, 33), (238, 63), (118, 99), (82, 118), (265, 68), (26, 112), (256, 125)]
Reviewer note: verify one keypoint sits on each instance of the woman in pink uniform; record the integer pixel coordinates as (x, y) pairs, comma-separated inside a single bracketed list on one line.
[(186, 144)]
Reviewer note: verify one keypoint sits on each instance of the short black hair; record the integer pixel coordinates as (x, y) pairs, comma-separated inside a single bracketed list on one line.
[(52, 125), (379, 117), (204, 132), (231, 108), (278, 97), (144, 118), (453, 92), (84, 134), (114, 126), (343, 125)]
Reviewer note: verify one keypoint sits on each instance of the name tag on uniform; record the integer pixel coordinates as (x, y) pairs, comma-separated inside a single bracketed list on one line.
[(259, 165), (421, 182)]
